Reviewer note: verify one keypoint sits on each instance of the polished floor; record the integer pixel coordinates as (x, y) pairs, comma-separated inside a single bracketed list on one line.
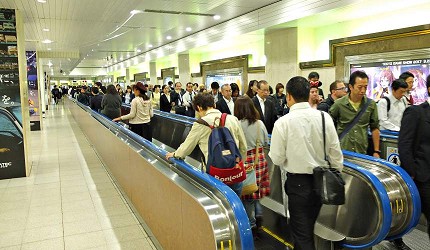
[(69, 200)]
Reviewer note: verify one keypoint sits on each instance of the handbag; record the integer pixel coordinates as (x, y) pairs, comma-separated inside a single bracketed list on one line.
[(250, 183), (328, 182)]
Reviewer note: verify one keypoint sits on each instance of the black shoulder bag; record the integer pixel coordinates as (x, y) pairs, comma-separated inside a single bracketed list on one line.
[(328, 182)]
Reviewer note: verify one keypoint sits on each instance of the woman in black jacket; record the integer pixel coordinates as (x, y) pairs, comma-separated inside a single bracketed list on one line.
[(165, 99)]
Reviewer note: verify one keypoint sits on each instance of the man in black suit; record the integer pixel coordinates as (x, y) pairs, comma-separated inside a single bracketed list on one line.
[(215, 93), (414, 149), (178, 99), (261, 102), (225, 104)]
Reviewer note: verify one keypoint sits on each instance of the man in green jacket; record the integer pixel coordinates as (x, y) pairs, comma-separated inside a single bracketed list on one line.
[(345, 109)]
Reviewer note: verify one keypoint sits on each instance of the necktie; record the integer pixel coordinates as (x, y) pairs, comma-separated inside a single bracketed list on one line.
[(411, 100)]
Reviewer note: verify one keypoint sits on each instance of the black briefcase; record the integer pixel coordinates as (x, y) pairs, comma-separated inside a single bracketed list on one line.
[(329, 185)]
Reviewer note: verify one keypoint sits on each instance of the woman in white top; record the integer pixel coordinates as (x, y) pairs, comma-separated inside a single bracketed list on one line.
[(156, 97), (128, 96), (140, 113)]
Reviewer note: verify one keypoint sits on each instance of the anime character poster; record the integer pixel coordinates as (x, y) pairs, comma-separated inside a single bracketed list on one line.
[(382, 74), (33, 92), (12, 163)]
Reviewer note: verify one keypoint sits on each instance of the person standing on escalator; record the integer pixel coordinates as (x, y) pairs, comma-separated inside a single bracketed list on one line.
[(297, 147), (140, 113), (414, 150)]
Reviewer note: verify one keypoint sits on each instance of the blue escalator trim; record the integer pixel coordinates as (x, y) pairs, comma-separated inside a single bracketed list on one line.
[(385, 203), (389, 132), (242, 220), (416, 212)]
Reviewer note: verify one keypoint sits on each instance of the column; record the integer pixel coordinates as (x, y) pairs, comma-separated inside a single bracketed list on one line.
[(184, 68), (153, 73), (280, 48), (127, 78)]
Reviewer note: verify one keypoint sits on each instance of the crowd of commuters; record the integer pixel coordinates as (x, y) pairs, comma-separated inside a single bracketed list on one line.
[(295, 121)]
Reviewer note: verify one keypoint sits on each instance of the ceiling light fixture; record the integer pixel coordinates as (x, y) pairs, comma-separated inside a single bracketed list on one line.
[(50, 64), (188, 29), (46, 41), (41, 1), (138, 50), (150, 46), (48, 48), (168, 37), (217, 17), (45, 29)]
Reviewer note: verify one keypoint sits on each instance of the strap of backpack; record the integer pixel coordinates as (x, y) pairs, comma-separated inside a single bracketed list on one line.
[(223, 118), (388, 103)]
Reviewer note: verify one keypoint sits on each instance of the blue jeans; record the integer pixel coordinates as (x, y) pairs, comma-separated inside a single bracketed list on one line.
[(237, 188), (253, 208)]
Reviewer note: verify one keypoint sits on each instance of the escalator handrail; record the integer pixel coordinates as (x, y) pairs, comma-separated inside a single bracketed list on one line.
[(385, 203), (416, 213), (242, 220)]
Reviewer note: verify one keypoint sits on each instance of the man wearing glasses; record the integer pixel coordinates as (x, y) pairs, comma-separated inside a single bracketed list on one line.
[(353, 114), (337, 90)]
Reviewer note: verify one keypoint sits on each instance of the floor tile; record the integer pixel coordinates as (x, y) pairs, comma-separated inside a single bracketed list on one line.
[(139, 244), (51, 244), (85, 241), (127, 233), (42, 233), (11, 238), (82, 226), (114, 221)]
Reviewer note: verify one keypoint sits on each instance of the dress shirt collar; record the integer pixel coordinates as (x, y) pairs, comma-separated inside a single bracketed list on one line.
[(227, 101), (300, 105), (260, 99)]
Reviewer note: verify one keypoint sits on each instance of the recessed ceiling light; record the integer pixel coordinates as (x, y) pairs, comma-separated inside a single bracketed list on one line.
[(49, 49), (150, 46), (188, 29), (46, 41), (138, 50), (168, 37), (98, 44), (45, 29), (216, 17), (92, 50), (41, 1)]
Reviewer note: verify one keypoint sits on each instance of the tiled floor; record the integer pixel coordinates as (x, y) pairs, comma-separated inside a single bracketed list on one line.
[(69, 201)]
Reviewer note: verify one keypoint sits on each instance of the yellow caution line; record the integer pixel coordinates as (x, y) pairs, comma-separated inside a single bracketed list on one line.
[(277, 238)]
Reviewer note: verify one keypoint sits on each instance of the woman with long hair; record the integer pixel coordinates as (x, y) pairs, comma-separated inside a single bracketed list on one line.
[(256, 139), (252, 88), (140, 113), (281, 99), (111, 103)]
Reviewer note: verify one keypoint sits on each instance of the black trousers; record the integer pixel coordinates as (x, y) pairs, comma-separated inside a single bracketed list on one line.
[(304, 206), (142, 129), (424, 189)]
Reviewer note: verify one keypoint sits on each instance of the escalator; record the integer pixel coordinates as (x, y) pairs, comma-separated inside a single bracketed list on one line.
[(382, 202)]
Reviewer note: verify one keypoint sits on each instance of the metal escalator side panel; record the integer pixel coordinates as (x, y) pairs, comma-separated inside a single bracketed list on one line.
[(408, 182), (364, 211), (242, 227)]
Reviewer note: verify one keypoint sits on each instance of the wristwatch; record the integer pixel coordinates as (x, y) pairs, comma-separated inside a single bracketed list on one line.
[(377, 151)]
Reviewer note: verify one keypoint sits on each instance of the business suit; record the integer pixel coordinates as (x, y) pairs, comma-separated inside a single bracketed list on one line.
[(165, 105), (414, 151), (222, 106), (270, 116)]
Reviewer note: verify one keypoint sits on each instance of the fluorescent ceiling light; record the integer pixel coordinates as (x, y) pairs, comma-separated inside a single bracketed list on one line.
[(134, 12), (138, 50), (45, 29), (188, 29), (217, 17), (41, 1), (49, 49), (46, 41), (168, 37), (150, 46)]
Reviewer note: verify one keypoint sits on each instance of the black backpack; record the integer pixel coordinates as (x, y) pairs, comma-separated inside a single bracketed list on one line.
[(224, 160)]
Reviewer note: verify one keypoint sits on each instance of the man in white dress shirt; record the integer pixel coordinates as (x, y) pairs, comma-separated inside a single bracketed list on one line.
[(187, 100), (297, 147), (392, 106)]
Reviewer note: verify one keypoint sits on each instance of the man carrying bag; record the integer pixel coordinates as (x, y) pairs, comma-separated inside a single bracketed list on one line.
[(297, 147)]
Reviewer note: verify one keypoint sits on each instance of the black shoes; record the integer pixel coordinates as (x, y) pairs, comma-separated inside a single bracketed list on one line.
[(400, 245)]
